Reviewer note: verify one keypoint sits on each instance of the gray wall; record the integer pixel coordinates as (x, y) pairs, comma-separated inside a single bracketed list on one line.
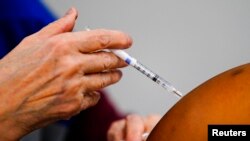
[(185, 41)]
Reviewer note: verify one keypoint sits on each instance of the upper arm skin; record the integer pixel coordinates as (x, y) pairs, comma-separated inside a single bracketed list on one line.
[(224, 99)]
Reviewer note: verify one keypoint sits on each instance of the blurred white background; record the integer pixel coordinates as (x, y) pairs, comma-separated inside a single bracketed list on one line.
[(185, 41)]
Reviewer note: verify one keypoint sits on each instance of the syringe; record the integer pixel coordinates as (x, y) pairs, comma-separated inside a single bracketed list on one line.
[(144, 70)]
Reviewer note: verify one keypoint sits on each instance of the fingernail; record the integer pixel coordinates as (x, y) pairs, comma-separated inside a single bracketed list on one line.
[(70, 11)]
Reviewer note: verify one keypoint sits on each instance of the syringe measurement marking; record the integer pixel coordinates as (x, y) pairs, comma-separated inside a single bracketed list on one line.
[(148, 73), (133, 62), (156, 78)]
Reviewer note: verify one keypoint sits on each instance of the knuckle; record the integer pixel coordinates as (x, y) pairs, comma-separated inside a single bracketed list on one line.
[(103, 40), (109, 61), (72, 109), (59, 45), (70, 64), (67, 66), (28, 39), (104, 82), (60, 26), (108, 79), (91, 99)]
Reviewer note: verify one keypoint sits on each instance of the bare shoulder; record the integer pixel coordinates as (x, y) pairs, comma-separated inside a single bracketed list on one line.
[(223, 99)]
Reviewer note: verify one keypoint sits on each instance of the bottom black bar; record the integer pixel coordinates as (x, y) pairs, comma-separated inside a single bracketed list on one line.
[(228, 132)]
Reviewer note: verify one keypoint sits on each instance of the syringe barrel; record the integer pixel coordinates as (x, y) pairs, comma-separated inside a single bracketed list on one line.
[(153, 76), (144, 70)]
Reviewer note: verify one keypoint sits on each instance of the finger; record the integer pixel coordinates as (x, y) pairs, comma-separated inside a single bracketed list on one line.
[(90, 99), (150, 122), (64, 24), (94, 40), (98, 81), (116, 131), (134, 128), (100, 61)]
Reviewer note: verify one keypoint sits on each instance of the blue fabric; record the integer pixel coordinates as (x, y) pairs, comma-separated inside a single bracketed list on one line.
[(20, 18)]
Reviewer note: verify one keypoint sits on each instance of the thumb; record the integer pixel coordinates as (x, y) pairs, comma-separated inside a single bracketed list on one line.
[(64, 24)]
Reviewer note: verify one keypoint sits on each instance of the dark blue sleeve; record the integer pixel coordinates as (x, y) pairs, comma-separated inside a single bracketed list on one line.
[(20, 18)]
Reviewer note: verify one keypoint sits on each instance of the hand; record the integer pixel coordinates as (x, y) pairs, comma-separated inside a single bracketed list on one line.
[(132, 127), (53, 75)]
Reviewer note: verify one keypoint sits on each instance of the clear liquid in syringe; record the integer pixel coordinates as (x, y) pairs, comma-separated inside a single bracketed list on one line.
[(156, 78)]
